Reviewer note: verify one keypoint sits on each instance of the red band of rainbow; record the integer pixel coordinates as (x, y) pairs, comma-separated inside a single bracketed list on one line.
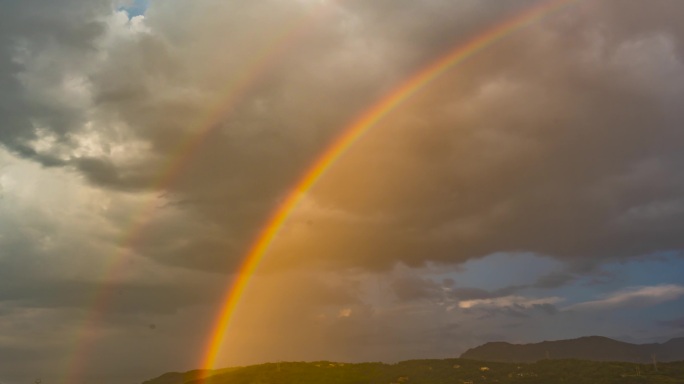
[(350, 134)]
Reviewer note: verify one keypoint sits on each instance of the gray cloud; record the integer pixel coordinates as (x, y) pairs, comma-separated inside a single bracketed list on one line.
[(677, 323), (633, 297), (448, 179), (413, 287), (57, 31), (125, 298), (554, 280), (549, 309)]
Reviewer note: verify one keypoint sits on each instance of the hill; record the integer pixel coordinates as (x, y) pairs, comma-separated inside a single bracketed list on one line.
[(593, 348), (452, 371)]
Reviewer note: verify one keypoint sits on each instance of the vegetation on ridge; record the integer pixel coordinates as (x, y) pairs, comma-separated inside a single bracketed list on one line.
[(447, 371)]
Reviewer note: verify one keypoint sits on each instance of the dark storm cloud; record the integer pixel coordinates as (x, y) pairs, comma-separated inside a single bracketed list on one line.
[(45, 268), (69, 26), (128, 298), (570, 150), (103, 172), (167, 85)]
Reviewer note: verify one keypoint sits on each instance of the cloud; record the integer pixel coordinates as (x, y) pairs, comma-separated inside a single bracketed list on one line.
[(408, 288), (509, 301), (554, 279), (677, 323), (441, 178), (633, 297)]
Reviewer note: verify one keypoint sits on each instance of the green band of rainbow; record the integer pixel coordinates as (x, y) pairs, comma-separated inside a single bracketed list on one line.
[(350, 134)]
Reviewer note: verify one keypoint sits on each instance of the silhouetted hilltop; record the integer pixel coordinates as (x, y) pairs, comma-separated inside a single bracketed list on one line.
[(178, 377), (594, 348), (447, 371)]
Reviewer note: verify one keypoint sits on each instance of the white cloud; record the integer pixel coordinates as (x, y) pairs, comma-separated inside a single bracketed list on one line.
[(634, 297), (509, 301)]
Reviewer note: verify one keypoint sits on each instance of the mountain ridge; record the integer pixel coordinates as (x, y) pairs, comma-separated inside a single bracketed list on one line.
[(436, 371), (593, 348), (585, 360)]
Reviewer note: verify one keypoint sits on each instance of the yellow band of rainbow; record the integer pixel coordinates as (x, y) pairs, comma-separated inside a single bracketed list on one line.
[(350, 134)]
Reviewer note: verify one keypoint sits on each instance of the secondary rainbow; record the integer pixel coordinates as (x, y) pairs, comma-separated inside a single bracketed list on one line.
[(241, 82), (350, 134)]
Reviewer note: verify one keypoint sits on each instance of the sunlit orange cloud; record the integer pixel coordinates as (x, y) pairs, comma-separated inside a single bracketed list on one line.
[(349, 135)]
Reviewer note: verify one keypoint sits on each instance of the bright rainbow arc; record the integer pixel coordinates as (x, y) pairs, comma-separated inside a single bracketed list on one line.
[(350, 134), (267, 58)]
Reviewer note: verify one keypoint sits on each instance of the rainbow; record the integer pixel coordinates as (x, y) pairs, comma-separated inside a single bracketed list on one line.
[(268, 57), (350, 134)]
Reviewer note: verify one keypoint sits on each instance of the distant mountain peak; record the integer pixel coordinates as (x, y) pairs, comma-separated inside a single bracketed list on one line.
[(596, 348)]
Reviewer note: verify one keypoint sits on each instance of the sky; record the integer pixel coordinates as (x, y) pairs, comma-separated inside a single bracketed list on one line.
[(530, 192)]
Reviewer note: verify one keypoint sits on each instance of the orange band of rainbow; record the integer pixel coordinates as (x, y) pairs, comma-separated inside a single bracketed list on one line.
[(350, 134)]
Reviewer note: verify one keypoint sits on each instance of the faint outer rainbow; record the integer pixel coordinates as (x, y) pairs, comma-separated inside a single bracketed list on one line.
[(240, 83), (350, 134)]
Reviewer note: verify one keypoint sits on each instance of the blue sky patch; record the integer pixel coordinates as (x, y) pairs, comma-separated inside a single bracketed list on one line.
[(135, 8)]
